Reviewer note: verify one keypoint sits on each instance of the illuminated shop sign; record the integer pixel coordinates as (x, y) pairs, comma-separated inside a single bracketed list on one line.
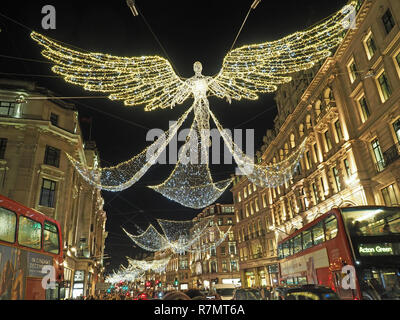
[(381, 249)]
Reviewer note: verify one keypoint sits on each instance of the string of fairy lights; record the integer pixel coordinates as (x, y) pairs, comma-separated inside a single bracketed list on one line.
[(191, 183), (151, 81)]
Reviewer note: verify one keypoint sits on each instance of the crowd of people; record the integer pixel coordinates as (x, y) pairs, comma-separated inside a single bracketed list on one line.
[(158, 294)]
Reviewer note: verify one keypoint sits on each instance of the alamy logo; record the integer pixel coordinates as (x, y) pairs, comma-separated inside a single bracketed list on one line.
[(49, 280), (210, 138), (349, 22), (349, 280), (49, 20)]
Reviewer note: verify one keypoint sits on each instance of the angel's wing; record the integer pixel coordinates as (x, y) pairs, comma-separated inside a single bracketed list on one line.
[(260, 68), (148, 80)]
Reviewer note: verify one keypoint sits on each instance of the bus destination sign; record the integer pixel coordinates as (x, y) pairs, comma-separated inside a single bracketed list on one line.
[(371, 249)]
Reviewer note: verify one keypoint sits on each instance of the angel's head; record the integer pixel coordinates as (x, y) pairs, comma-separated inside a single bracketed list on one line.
[(197, 67)]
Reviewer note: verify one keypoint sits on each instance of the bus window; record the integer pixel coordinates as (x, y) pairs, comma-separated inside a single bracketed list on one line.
[(297, 244), (286, 252), (290, 247), (307, 239), (29, 233), (280, 251), (8, 223), (331, 228), (372, 221), (51, 239), (318, 233)]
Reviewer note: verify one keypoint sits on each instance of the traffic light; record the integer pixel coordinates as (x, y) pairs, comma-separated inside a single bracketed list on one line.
[(176, 282)]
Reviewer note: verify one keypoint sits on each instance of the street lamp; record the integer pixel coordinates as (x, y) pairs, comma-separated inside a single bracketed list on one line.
[(132, 6)]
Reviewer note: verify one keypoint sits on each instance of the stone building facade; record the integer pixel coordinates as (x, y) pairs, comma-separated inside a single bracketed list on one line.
[(36, 130), (349, 109), (210, 264)]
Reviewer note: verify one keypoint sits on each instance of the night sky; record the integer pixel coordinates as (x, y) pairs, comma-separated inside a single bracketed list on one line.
[(189, 31)]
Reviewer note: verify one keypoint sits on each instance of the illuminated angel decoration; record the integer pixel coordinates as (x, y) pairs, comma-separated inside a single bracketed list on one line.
[(151, 81)]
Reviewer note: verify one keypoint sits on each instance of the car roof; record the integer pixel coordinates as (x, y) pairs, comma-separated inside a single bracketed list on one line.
[(311, 289)]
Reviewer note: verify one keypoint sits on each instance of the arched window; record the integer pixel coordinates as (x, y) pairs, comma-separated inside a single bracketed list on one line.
[(286, 149), (292, 141), (301, 130), (308, 122), (318, 108), (281, 154), (328, 95), (274, 160)]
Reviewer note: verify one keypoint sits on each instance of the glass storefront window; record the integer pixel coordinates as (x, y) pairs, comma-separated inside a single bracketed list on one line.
[(382, 282)]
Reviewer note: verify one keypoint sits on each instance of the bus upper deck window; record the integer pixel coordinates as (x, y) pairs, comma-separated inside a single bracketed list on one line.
[(8, 223), (29, 233), (51, 239)]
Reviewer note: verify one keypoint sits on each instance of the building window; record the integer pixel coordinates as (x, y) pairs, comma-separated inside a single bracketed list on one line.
[(328, 140), (398, 61), (52, 156), (396, 127), (352, 70), (229, 222), (301, 130), (264, 198), (308, 160), (339, 132), (365, 113), (47, 194), (315, 190), (384, 87), (335, 173), (390, 196), (370, 46), (379, 160), (224, 266), (315, 152), (220, 221), (3, 147), (388, 21), (7, 108), (54, 119), (347, 167), (322, 184)]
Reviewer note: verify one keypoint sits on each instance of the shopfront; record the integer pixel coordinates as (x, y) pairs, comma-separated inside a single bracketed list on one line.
[(263, 277), (273, 271), (250, 279), (79, 284)]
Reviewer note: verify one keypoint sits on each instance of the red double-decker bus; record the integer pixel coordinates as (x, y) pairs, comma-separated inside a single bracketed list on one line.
[(31, 255), (366, 238)]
